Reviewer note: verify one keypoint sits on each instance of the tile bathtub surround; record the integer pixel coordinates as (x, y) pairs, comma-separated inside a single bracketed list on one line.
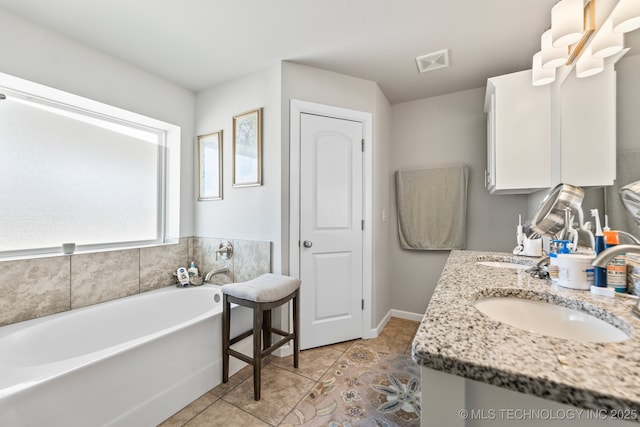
[(33, 288), (59, 283), (104, 276), (204, 255), (333, 383), (454, 337), (251, 258)]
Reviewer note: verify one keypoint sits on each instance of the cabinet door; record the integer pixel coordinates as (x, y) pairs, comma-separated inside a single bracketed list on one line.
[(519, 135), (490, 172)]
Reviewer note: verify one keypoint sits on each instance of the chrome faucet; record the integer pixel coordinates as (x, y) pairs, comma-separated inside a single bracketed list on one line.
[(607, 255), (629, 236), (212, 273), (225, 250)]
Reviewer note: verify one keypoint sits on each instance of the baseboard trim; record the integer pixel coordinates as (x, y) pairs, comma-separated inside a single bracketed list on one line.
[(287, 349), (284, 351), (401, 314), (407, 315)]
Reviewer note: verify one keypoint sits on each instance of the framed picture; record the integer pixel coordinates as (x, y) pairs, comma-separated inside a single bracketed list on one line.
[(210, 166), (247, 149)]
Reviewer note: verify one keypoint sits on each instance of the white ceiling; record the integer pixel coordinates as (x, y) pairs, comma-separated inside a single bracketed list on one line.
[(200, 43)]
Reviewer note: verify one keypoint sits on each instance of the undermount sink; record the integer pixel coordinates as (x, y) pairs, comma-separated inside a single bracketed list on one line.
[(549, 319), (504, 264)]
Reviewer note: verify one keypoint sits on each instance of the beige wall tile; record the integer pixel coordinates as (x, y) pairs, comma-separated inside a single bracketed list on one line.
[(33, 288), (50, 285), (104, 276), (252, 258), (157, 264)]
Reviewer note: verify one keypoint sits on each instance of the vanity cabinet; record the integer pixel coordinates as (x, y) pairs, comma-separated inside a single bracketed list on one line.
[(518, 134)]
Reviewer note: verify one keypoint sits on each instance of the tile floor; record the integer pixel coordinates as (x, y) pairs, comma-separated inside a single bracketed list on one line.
[(283, 386)]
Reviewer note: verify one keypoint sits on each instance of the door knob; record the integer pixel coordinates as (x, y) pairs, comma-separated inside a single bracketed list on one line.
[(307, 243)]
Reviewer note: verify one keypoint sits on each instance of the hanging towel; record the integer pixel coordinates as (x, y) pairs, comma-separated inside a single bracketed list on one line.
[(432, 207)]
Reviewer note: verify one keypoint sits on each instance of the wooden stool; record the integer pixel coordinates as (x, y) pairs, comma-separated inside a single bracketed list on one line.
[(262, 295)]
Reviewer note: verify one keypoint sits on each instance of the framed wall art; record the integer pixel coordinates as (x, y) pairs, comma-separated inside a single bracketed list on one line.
[(247, 149), (210, 166)]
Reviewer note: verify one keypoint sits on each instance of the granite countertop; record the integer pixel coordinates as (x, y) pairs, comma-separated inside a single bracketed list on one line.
[(456, 338)]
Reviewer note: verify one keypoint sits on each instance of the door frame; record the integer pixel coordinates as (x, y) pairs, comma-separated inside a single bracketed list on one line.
[(298, 107)]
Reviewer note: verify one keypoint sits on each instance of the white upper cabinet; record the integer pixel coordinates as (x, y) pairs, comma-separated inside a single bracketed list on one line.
[(518, 134), (540, 136), (587, 143)]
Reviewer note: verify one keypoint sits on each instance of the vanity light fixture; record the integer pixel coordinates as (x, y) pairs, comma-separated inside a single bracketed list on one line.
[(626, 16), (573, 24), (567, 24), (588, 17), (552, 57), (607, 42), (589, 65), (541, 76)]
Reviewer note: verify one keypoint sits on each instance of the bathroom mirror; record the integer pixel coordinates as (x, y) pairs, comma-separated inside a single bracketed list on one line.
[(627, 130), (627, 135)]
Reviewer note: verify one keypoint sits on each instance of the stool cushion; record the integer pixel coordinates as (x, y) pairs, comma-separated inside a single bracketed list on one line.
[(266, 288)]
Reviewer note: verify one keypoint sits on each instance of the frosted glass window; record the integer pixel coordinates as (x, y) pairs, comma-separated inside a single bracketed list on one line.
[(73, 175)]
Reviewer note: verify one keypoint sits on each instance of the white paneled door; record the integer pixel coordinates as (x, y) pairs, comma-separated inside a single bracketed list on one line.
[(331, 223)]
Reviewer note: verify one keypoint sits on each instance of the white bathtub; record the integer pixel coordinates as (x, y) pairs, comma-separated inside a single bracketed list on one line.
[(129, 362)]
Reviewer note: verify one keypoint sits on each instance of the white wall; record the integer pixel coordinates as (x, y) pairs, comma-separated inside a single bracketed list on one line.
[(252, 213), (382, 202), (324, 87), (436, 131), (34, 53)]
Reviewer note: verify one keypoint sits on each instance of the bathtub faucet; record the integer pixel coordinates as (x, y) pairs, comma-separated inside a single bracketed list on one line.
[(212, 273)]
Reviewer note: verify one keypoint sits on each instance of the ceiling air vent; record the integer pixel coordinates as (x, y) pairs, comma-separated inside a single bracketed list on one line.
[(433, 61)]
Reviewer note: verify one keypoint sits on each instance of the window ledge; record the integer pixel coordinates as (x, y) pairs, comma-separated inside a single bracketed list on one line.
[(58, 252)]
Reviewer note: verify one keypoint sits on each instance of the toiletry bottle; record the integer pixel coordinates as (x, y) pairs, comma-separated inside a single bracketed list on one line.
[(599, 273), (554, 265), (617, 267), (553, 261), (193, 270)]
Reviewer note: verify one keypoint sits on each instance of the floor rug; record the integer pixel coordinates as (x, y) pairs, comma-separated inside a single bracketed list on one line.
[(363, 388)]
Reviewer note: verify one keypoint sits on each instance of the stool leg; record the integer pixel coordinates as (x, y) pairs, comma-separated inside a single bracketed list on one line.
[(257, 349), (296, 329), (266, 329), (226, 337)]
